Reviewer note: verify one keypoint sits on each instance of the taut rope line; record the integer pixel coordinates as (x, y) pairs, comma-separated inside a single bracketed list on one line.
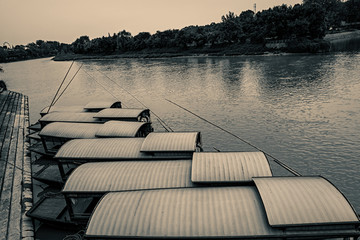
[(52, 102), (102, 86), (68, 84), (232, 134), (167, 128)]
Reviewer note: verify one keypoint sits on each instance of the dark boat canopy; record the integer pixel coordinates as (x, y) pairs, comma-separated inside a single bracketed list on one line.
[(226, 212), (213, 167), (70, 130)]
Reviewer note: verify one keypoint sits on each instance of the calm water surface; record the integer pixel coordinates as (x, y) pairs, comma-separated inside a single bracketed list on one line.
[(304, 110)]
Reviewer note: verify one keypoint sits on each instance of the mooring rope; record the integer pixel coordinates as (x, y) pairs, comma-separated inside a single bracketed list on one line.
[(162, 125), (234, 135), (68, 84), (102, 86), (167, 128), (52, 102)]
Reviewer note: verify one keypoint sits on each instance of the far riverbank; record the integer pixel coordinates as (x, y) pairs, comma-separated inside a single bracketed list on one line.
[(344, 41), (231, 50)]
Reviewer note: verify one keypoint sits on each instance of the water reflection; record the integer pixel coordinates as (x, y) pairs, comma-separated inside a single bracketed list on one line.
[(290, 74)]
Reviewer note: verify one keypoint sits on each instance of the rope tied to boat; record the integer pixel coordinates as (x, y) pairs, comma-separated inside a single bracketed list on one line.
[(52, 102), (241, 139), (102, 86), (68, 84), (162, 122)]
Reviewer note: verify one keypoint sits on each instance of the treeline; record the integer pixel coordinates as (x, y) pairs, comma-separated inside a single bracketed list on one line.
[(32, 50), (299, 24), (302, 26)]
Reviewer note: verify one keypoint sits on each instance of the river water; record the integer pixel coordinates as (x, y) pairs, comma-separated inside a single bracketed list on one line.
[(302, 109)]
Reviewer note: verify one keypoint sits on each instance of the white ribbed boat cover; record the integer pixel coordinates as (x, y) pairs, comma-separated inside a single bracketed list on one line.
[(129, 175), (70, 130), (294, 201), (171, 141), (101, 148), (229, 166), (190, 212), (60, 108), (119, 129), (87, 117)]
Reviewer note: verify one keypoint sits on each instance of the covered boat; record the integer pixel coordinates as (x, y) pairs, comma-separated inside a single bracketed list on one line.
[(75, 117), (174, 145), (169, 145), (307, 208), (124, 114), (230, 167), (94, 106), (121, 114), (90, 181), (55, 134)]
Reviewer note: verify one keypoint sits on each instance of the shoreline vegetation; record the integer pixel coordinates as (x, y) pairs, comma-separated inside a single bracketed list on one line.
[(315, 26), (248, 49)]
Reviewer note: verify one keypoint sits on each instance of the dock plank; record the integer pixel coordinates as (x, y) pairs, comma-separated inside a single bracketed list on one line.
[(8, 156), (15, 183), (5, 131), (14, 231)]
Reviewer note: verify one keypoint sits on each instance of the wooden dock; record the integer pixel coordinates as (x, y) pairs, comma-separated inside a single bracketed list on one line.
[(15, 167)]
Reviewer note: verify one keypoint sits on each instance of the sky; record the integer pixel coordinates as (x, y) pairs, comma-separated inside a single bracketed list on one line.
[(23, 22)]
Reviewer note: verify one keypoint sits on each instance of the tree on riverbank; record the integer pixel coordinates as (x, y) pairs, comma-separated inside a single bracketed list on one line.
[(299, 23), (32, 50), (300, 28)]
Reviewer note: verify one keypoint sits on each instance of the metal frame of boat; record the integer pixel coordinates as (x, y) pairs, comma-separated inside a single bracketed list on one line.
[(90, 181)]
